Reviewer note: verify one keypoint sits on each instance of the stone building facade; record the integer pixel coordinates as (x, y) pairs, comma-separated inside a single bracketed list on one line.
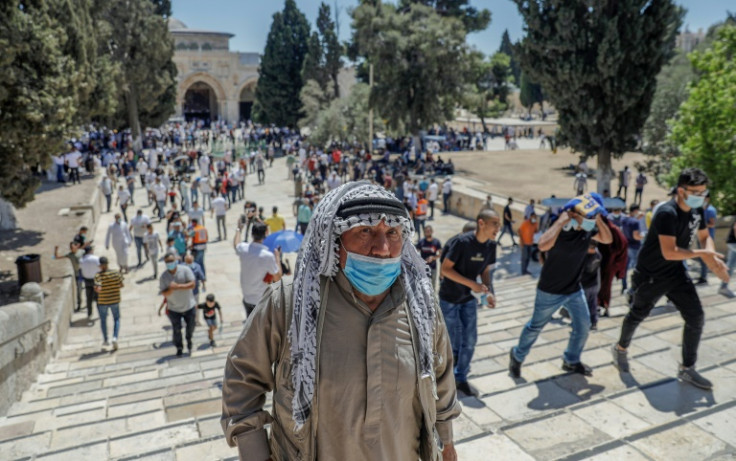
[(214, 83)]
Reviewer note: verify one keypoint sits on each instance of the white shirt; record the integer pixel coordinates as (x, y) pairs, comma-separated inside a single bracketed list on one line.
[(219, 205), (140, 223), (119, 235), (204, 186), (333, 182), (204, 164), (152, 242), (58, 160), (106, 186), (89, 265), (256, 261), (447, 187), (73, 158), (142, 167), (197, 214), (159, 190), (433, 189), (123, 196)]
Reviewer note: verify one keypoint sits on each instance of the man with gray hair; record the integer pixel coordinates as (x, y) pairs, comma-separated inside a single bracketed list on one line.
[(360, 292), (176, 285)]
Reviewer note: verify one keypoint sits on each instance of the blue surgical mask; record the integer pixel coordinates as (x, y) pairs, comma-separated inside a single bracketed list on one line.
[(371, 276), (694, 201), (171, 266), (588, 224)]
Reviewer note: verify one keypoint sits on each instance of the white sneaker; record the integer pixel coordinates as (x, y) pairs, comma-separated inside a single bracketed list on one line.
[(114, 344), (726, 292)]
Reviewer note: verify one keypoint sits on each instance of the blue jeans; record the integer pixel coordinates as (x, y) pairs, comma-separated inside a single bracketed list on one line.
[(102, 309), (198, 256), (462, 325), (730, 262), (161, 208), (138, 247), (544, 306)]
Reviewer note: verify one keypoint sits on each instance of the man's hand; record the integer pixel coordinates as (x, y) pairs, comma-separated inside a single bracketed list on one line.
[(479, 288), (714, 262), (449, 453), (491, 301)]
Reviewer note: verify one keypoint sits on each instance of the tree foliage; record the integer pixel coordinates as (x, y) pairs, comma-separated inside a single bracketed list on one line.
[(507, 48), (488, 79), (332, 49), (530, 93), (473, 19), (419, 60), (142, 45), (597, 61), (705, 131), (280, 75)]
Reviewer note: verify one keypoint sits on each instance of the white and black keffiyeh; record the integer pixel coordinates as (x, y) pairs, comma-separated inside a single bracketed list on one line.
[(319, 256)]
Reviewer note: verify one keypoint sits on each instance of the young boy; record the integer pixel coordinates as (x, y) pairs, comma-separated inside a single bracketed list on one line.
[(210, 316), (591, 282), (153, 243)]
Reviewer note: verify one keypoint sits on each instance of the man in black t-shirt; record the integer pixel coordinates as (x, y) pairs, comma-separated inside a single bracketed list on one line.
[(566, 243), (660, 272), (429, 248), (508, 221), (471, 255)]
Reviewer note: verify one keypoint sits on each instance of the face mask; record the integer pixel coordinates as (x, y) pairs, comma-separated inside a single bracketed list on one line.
[(694, 201), (588, 224), (371, 276), (171, 266), (616, 215), (533, 221)]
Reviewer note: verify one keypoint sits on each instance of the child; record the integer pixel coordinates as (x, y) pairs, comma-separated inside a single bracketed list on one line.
[(153, 243), (591, 281), (210, 316)]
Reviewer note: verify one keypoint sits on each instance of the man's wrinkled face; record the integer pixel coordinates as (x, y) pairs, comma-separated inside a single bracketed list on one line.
[(380, 241)]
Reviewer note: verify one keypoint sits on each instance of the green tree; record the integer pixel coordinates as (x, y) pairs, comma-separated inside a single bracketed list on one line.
[(332, 49), (419, 60), (473, 19), (705, 131), (142, 46), (597, 61), (487, 95), (313, 68), (280, 74), (507, 48), (530, 93)]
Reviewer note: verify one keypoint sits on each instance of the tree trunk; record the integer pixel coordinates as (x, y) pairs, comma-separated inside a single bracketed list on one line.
[(604, 173), (133, 120), (417, 143), (7, 216)]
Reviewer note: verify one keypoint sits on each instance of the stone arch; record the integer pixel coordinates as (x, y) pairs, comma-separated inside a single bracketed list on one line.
[(219, 106), (246, 97)]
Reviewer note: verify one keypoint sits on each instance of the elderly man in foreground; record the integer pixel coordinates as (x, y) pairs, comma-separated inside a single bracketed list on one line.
[(356, 350)]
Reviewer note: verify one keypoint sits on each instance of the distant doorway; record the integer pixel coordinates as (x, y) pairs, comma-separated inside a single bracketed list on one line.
[(200, 103), (247, 97)]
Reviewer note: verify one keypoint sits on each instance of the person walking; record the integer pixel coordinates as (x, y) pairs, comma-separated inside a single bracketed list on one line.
[(528, 228), (74, 255), (119, 235), (159, 194), (731, 262), (660, 272), (218, 210), (356, 349), (566, 243), (176, 285), (430, 250), (275, 222), (153, 243), (580, 183), (641, 181), (591, 282), (139, 225), (89, 266), (446, 194), (260, 165), (711, 215), (432, 197), (470, 256), (72, 160), (304, 214), (259, 266), (624, 178), (123, 199), (107, 285), (199, 238), (106, 189), (508, 221), (210, 311)]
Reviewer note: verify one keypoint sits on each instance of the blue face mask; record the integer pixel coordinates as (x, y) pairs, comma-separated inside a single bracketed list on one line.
[(171, 266), (588, 224), (694, 201), (371, 276)]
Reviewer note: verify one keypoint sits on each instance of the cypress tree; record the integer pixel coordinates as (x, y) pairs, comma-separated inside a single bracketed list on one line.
[(280, 75), (598, 61), (507, 48)]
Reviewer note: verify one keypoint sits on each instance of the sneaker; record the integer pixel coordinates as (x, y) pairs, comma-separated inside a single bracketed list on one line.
[(514, 365), (189, 346), (689, 375), (114, 344), (213, 343), (701, 282), (620, 359), (579, 368), (179, 352), (726, 292), (467, 389), (594, 327)]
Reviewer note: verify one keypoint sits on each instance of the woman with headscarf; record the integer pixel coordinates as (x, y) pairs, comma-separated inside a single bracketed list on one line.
[(355, 351)]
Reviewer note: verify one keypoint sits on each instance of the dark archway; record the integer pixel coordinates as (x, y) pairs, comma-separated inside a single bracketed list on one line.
[(247, 97), (200, 103)]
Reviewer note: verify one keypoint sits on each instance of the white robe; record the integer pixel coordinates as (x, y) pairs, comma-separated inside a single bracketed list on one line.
[(121, 240)]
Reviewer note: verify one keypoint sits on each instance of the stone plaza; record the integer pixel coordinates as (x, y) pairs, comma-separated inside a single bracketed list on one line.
[(143, 402)]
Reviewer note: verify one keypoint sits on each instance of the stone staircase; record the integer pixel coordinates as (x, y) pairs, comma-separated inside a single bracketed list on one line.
[(142, 402)]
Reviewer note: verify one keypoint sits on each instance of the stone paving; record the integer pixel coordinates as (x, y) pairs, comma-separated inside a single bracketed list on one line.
[(142, 402)]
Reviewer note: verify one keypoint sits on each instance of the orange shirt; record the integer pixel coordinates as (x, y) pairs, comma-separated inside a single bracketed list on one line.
[(527, 231)]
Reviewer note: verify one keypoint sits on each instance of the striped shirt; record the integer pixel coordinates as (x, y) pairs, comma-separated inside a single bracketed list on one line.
[(110, 283)]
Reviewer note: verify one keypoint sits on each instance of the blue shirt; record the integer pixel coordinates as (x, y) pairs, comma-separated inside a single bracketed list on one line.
[(628, 227), (711, 213), (198, 276)]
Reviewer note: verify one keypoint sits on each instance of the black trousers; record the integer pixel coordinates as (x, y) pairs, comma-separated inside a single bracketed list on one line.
[(646, 291), (89, 290), (248, 308), (176, 318)]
